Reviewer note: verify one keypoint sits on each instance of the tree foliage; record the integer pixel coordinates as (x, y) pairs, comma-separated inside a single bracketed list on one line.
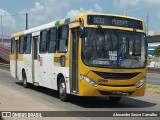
[(156, 51)]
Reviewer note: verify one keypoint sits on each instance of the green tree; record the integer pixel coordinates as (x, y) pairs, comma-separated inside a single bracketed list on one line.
[(156, 51)]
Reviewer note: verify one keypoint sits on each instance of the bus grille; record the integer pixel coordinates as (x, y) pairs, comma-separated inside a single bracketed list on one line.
[(116, 76)]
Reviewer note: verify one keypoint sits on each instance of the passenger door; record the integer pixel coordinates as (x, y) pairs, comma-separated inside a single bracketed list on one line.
[(16, 58), (74, 62), (35, 59)]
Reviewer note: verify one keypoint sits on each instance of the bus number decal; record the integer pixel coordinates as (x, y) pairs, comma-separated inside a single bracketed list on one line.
[(41, 61), (57, 59)]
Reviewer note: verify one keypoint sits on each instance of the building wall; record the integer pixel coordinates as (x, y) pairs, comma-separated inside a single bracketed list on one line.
[(154, 32), (154, 41), (5, 41), (152, 46)]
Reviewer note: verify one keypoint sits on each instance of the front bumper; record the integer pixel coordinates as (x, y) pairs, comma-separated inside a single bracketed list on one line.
[(88, 90)]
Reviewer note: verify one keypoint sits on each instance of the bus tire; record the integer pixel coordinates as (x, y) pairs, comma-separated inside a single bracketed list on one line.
[(114, 99), (25, 83), (62, 90)]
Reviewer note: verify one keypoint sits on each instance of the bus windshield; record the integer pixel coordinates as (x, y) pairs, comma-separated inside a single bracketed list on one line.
[(114, 48)]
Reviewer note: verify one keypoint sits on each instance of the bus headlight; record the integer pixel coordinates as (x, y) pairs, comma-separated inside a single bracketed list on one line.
[(89, 80), (140, 83)]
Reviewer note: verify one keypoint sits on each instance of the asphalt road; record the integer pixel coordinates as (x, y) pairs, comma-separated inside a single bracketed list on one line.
[(13, 97), (153, 78)]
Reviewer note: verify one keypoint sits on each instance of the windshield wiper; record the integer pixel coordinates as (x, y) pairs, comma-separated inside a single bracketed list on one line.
[(122, 50), (100, 29), (137, 61)]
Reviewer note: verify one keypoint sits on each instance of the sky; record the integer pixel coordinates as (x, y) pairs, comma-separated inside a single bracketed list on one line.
[(12, 12)]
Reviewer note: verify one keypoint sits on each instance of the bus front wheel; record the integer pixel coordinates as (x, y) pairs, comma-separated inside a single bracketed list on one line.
[(25, 84), (62, 90), (114, 99)]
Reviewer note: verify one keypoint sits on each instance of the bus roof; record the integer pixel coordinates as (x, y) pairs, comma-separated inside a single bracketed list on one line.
[(64, 21)]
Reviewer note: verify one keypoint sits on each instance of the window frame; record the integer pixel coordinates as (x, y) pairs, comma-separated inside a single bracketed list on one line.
[(53, 39), (21, 44), (12, 45), (60, 38), (28, 43), (41, 41)]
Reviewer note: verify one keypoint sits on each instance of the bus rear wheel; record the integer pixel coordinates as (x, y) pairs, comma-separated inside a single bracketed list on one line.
[(25, 83), (62, 90), (114, 99)]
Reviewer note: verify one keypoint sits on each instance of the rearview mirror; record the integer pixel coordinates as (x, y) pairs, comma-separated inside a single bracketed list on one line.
[(82, 32)]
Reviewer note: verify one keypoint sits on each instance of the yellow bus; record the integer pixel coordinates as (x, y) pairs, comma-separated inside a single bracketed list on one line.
[(92, 54)]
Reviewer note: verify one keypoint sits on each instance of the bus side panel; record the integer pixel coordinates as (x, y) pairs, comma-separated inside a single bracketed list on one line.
[(12, 65), (65, 72), (27, 66), (45, 67), (20, 66), (48, 72), (58, 69), (19, 71), (67, 79)]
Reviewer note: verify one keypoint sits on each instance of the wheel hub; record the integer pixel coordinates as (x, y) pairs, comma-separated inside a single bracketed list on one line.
[(62, 88)]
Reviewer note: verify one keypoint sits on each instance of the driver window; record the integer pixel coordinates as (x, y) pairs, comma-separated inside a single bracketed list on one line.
[(123, 45), (107, 41), (137, 45)]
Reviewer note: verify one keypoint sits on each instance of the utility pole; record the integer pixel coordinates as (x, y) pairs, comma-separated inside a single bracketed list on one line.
[(2, 28), (26, 21), (147, 29)]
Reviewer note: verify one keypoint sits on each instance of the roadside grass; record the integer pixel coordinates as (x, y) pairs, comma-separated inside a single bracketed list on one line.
[(153, 89), (4, 68)]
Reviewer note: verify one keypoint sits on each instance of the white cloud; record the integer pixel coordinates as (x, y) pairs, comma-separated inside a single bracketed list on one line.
[(122, 4), (35, 14), (158, 15), (50, 10), (46, 11), (37, 8), (98, 7), (55, 6), (73, 13), (7, 21), (153, 2)]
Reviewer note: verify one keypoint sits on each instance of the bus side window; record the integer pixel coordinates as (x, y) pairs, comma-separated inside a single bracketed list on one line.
[(12, 45), (28, 44), (24, 44), (43, 42), (63, 38), (52, 40), (21, 45)]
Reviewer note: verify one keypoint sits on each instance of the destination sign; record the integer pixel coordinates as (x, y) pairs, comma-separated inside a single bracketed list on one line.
[(114, 21)]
